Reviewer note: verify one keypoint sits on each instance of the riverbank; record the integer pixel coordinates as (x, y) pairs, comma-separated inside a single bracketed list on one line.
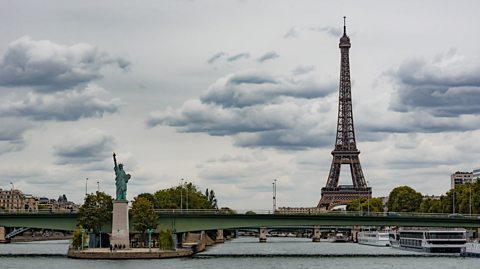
[(126, 254)]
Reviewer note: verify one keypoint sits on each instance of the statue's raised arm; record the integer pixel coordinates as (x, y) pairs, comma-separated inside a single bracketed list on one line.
[(115, 161)]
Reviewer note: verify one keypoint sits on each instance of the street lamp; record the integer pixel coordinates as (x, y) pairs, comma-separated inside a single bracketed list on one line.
[(186, 189), (471, 199), (83, 232), (368, 199), (86, 186), (181, 195), (11, 196), (150, 231), (98, 186), (274, 186), (453, 200)]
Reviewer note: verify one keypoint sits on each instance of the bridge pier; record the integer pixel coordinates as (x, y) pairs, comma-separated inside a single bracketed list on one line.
[(316, 234), (2, 235), (219, 238), (262, 234), (355, 231)]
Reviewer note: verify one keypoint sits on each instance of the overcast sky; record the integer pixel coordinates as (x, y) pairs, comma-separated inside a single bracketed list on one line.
[(233, 94)]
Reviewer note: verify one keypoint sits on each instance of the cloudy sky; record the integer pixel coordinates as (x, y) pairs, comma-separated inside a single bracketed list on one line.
[(233, 94)]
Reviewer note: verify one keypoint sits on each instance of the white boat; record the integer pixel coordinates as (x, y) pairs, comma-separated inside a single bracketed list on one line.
[(430, 240), (337, 238), (374, 238), (472, 249)]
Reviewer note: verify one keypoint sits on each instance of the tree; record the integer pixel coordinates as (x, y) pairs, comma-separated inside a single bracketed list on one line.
[(462, 196), (143, 215), (404, 199), (149, 197), (165, 240), (227, 211), (77, 239), (96, 211), (430, 205), (170, 198), (376, 205)]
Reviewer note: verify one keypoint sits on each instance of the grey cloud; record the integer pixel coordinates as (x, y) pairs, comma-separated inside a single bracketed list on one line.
[(47, 66), (215, 57), (68, 105), (332, 31), (84, 147), (292, 32), (448, 86), (12, 134), (302, 69), (238, 57), (268, 56), (280, 118), (295, 139), (251, 88)]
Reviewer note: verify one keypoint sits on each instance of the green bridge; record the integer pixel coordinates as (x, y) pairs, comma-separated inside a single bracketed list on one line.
[(186, 222)]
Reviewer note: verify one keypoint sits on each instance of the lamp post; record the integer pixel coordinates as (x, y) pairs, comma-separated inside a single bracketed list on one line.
[(181, 195), (470, 199), (274, 190), (83, 232), (150, 231), (11, 196), (368, 200), (86, 186), (453, 200), (98, 186), (186, 190)]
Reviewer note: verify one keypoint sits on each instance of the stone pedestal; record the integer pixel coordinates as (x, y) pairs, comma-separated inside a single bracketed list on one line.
[(262, 234), (120, 231), (219, 238), (316, 234)]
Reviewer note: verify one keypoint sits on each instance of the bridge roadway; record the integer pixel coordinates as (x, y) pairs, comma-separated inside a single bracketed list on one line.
[(186, 222)]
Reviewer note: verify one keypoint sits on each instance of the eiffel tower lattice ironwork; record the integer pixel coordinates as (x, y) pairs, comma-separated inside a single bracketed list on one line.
[(345, 151)]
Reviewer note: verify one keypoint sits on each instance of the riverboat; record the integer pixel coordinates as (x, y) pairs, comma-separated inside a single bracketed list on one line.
[(472, 249), (337, 238), (374, 238), (430, 240)]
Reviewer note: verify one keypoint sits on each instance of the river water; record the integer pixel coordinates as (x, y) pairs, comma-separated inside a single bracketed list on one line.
[(256, 255)]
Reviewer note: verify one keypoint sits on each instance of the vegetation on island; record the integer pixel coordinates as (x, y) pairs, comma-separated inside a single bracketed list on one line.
[(96, 211)]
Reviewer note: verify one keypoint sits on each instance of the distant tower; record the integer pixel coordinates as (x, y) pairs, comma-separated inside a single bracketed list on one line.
[(345, 151)]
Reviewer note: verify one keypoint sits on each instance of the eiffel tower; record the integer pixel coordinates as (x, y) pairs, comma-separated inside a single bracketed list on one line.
[(345, 151)]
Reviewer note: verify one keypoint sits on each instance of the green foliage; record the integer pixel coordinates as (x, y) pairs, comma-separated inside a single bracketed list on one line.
[(77, 237), (96, 211), (250, 213), (462, 195), (404, 199), (170, 198), (147, 196), (143, 214), (429, 205), (165, 240), (227, 211), (362, 204)]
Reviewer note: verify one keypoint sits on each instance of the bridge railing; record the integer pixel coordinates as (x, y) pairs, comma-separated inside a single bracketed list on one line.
[(324, 213), (39, 211)]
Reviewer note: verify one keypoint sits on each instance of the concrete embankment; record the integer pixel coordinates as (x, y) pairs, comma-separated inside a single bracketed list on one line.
[(194, 243), (136, 253)]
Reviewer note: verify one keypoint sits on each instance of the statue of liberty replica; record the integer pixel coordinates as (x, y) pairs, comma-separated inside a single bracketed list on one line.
[(121, 180), (120, 232)]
